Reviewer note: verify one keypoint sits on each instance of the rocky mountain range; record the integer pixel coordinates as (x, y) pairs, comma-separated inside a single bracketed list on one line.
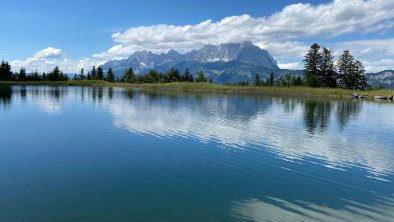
[(223, 63), (226, 63), (383, 78)]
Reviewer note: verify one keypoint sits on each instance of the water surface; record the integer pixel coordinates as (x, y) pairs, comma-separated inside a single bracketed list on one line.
[(111, 154)]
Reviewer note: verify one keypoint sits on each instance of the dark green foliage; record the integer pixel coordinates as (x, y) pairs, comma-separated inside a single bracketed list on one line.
[(100, 73), (243, 83), (289, 80), (271, 80), (320, 70), (110, 76), (319, 67), (34, 76), (312, 63), (5, 71), (173, 75), (327, 72), (200, 76), (93, 73), (257, 81), (351, 73), (22, 76), (128, 76), (82, 74), (187, 77), (55, 75)]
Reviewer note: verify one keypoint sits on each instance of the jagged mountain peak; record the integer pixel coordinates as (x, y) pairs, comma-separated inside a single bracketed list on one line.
[(242, 53)]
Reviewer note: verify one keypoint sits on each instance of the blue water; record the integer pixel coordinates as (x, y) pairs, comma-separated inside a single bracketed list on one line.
[(111, 154)]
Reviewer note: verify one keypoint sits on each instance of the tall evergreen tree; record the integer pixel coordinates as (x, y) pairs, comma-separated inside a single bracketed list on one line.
[(271, 79), (257, 81), (82, 74), (187, 77), (200, 76), (345, 65), (173, 75), (5, 71), (312, 62), (22, 76), (328, 76), (128, 76), (361, 80), (93, 73), (351, 73), (110, 75), (55, 75), (100, 73)]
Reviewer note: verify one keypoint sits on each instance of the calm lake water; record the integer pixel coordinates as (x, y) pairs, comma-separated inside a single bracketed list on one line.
[(111, 154)]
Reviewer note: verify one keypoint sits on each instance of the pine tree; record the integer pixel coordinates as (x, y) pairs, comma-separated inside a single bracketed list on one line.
[(5, 71), (110, 76), (187, 77), (328, 76), (173, 75), (271, 79), (257, 81), (345, 65), (100, 73), (200, 76), (361, 80), (128, 76), (82, 74), (312, 62), (351, 73), (22, 74), (55, 75), (93, 73)]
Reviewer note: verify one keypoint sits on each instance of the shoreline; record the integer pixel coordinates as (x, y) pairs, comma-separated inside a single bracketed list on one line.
[(301, 91)]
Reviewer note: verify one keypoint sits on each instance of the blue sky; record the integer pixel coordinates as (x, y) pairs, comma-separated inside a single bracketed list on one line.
[(74, 34)]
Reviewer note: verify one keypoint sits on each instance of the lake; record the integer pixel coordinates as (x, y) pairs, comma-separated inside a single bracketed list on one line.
[(113, 154)]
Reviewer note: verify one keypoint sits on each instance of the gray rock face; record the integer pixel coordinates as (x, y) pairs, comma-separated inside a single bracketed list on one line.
[(383, 78), (244, 53)]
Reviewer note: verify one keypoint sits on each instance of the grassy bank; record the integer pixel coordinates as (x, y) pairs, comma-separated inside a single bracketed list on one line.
[(205, 87)]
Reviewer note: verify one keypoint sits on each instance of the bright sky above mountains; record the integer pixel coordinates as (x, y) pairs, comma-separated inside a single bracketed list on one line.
[(73, 34)]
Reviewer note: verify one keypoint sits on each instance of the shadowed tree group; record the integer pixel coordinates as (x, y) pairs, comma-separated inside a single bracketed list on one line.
[(320, 71)]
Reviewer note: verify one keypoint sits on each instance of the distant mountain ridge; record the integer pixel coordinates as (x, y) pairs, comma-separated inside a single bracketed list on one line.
[(384, 78), (225, 63), (233, 58)]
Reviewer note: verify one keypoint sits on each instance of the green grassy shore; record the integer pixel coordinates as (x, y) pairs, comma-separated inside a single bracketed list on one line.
[(206, 87)]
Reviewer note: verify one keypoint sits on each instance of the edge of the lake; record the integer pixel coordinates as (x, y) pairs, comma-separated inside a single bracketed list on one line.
[(213, 88)]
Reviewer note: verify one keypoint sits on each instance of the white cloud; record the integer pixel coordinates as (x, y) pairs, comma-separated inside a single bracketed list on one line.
[(49, 53), (380, 65), (283, 34), (336, 150), (292, 65), (293, 22), (46, 59), (276, 209)]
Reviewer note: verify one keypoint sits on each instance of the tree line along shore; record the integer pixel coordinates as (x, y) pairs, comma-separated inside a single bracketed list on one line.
[(321, 77)]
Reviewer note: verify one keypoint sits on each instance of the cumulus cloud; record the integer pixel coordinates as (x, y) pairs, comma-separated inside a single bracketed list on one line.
[(293, 22), (285, 34), (46, 59), (49, 53), (292, 65), (379, 65)]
